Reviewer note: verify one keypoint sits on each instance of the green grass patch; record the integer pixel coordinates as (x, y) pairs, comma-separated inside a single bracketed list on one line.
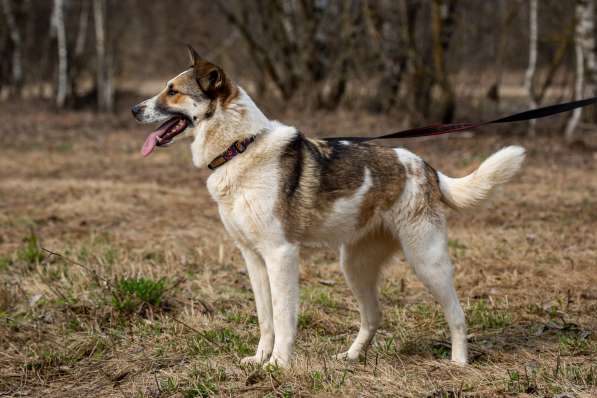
[(30, 252), (320, 297), (204, 383), (47, 360), (240, 318), (131, 294), (219, 341), (481, 316), (574, 344), (457, 248), (5, 263)]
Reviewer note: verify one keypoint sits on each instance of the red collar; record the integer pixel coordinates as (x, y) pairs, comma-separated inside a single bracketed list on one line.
[(237, 148)]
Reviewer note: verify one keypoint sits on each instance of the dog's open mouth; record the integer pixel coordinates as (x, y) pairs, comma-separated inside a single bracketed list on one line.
[(165, 134)]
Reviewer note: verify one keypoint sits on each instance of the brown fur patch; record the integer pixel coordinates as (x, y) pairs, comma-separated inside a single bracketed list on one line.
[(214, 82), (316, 173)]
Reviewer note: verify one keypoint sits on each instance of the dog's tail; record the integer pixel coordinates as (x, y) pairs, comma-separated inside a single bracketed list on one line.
[(499, 168)]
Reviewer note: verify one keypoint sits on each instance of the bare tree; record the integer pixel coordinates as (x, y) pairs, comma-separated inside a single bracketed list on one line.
[(584, 43), (78, 60), (442, 27), (387, 43), (58, 23), (420, 76), (105, 93), (15, 37), (590, 56), (529, 78), (505, 18), (299, 45), (82, 32)]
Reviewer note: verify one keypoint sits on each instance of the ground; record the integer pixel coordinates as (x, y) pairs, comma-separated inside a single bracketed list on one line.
[(149, 297)]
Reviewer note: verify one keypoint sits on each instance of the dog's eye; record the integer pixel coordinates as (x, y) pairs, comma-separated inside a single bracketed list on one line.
[(172, 92)]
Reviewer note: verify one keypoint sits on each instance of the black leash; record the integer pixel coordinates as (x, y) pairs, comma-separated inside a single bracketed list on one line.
[(437, 129)]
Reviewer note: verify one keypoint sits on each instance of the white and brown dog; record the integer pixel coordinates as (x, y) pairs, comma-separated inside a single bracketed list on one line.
[(285, 190)]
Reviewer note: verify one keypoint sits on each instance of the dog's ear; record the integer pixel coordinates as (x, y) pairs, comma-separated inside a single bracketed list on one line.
[(194, 56), (211, 79)]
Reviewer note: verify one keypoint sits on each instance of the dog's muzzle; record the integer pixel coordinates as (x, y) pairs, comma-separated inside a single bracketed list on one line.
[(137, 110)]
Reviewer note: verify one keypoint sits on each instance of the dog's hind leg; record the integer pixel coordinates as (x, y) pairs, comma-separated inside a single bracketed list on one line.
[(426, 249), (263, 302), (361, 264)]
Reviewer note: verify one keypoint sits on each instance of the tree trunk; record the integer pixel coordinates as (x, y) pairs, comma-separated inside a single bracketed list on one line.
[(583, 7), (63, 86), (82, 33), (77, 63), (15, 37), (420, 77), (442, 24), (505, 16), (387, 39), (556, 62), (105, 94), (529, 78), (587, 22)]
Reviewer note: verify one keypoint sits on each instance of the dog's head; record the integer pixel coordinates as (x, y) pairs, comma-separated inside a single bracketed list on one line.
[(187, 100)]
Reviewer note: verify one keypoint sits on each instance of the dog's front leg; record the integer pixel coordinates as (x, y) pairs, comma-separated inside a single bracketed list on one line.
[(263, 302), (283, 271)]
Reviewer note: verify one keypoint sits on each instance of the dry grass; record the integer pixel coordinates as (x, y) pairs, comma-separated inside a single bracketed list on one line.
[(165, 308)]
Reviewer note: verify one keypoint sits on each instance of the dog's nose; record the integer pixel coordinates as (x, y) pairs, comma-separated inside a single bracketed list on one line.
[(137, 109)]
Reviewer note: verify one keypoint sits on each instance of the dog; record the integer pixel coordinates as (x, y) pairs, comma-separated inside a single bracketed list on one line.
[(278, 190)]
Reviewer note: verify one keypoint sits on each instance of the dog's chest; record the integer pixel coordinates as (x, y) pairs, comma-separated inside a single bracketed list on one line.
[(246, 204)]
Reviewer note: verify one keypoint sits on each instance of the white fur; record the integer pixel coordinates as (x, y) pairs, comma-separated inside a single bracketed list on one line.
[(251, 122), (342, 220), (411, 194), (499, 168)]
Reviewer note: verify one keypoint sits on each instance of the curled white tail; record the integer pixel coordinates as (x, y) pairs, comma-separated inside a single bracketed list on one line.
[(497, 169)]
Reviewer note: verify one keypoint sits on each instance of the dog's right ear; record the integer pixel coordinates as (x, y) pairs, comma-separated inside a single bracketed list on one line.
[(193, 55)]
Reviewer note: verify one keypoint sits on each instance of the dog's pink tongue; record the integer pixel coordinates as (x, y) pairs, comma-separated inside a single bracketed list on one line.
[(150, 143), (152, 139)]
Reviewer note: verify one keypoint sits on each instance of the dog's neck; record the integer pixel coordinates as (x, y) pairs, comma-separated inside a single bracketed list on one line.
[(237, 120)]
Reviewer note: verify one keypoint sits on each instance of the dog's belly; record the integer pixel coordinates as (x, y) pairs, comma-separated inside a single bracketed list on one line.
[(342, 225)]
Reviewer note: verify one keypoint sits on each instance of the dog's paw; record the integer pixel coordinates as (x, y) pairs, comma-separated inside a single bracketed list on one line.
[(348, 356), (252, 360), (460, 361), (276, 362)]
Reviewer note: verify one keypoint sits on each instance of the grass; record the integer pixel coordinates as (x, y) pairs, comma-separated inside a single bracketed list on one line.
[(131, 294), (163, 307), (481, 316), (30, 251)]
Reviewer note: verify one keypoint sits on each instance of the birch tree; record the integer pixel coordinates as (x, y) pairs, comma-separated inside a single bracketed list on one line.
[(529, 78), (584, 50), (15, 37), (58, 23), (588, 43)]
